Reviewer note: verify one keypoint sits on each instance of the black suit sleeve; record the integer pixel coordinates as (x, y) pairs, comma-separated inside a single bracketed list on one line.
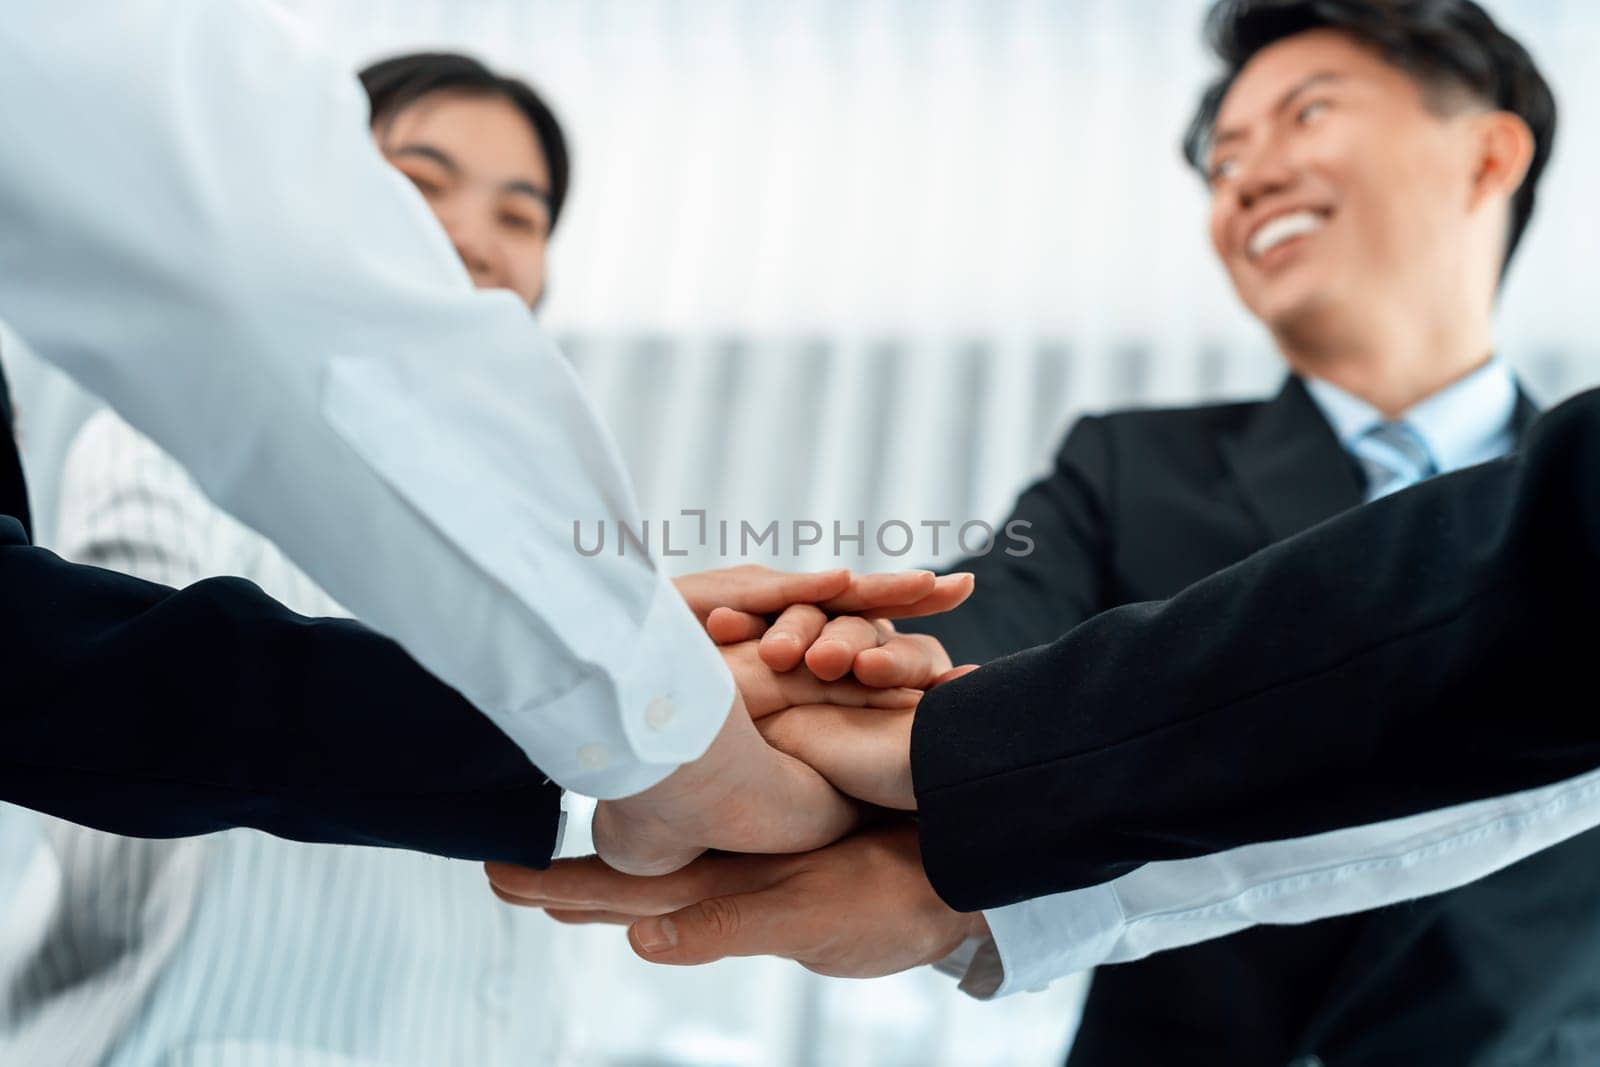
[(1426, 650), (1047, 573), (140, 710)]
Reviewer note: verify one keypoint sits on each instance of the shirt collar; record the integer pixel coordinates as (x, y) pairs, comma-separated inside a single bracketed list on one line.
[(1467, 422)]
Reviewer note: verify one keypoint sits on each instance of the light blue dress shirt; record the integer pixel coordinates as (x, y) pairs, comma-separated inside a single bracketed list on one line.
[(1469, 421)]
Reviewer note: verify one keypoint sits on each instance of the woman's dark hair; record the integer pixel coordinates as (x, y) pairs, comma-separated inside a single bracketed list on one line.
[(1445, 45), (395, 84)]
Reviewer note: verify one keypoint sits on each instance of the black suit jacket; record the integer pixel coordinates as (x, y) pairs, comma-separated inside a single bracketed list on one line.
[(1141, 505), (142, 710)]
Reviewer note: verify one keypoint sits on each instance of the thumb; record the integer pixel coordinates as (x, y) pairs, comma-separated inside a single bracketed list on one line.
[(770, 922)]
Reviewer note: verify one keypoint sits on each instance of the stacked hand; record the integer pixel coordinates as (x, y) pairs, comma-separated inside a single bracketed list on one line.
[(743, 795), (860, 908), (827, 690)]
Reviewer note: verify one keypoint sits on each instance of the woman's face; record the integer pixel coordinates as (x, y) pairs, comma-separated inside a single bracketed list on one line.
[(477, 161)]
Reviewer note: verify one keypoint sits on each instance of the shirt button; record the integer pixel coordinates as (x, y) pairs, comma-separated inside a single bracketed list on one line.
[(659, 712), (593, 757)]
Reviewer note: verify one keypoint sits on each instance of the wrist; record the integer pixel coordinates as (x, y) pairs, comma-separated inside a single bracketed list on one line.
[(701, 776), (660, 829)]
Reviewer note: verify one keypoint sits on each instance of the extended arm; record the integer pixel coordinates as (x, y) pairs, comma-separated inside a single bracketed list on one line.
[(141, 710), (195, 224)]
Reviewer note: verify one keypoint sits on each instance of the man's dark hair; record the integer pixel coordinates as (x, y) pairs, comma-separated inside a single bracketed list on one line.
[(395, 84), (1445, 45)]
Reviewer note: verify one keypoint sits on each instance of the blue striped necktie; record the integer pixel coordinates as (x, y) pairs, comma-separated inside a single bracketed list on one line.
[(1394, 456)]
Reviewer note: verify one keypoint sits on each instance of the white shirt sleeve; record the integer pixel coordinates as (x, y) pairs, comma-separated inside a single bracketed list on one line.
[(1175, 903), (195, 224)]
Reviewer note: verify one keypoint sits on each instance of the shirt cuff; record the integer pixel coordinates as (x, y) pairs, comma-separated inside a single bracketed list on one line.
[(561, 834), (977, 964), (670, 693), (1033, 943)]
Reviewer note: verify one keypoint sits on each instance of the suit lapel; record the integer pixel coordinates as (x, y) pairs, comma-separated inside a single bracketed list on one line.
[(1524, 417), (13, 490), (1289, 465), (5, 403)]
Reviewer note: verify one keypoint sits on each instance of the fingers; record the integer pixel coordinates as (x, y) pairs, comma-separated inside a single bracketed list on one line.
[(803, 687), (766, 691), (869, 592), (588, 885), (772, 922), (758, 590), (840, 641), (571, 917), (801, 631), (913, 660), (787, 906), (784, 645), (902, 595), (949, 591), (587, 918), (726, 626), (891, 918), (734, 605)]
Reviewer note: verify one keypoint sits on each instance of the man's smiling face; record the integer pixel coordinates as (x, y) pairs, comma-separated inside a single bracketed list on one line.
[(1336, 187)]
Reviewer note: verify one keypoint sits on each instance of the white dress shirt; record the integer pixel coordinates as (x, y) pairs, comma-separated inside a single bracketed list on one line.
[(195, 224), (1170, 904)]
